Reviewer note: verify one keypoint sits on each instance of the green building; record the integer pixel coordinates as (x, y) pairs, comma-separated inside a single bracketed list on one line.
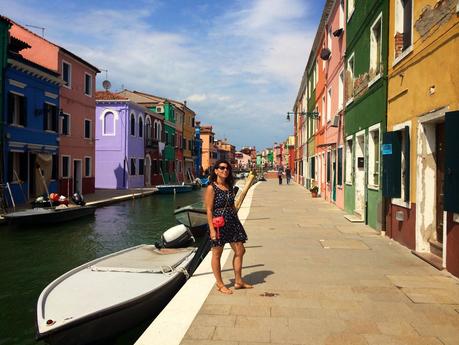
[(365, 115), (5, 25), (168, 163)]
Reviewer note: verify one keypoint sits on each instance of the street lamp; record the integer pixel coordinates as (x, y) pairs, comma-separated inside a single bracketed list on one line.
[(311, 114)]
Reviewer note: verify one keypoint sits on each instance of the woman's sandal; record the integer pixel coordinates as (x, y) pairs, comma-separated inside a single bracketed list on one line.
[(243, 285), (224, 290)]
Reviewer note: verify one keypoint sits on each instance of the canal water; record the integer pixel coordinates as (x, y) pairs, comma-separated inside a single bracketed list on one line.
[(31, 258)]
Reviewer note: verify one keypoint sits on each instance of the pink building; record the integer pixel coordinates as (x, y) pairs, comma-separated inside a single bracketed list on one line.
[(77, 113), (332, 111)]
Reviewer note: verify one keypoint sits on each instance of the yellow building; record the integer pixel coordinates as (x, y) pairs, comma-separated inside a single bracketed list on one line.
[(420, 154)]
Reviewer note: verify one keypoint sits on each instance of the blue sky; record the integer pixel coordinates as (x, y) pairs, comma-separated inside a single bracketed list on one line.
[(237, 63)]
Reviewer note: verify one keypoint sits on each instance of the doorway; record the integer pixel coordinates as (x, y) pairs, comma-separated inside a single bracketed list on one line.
[(360, 164), (440, 160), (32, 177), (77, 176), (147, 171)]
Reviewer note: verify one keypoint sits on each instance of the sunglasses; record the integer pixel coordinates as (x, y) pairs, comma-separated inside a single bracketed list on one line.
[(223, 168)]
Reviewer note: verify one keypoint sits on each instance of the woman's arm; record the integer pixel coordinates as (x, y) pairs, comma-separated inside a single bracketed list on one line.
[(209, 201)]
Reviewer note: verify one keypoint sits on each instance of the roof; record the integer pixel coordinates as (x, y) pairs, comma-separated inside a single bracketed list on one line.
[(76, 57), (140, 98), (5, 20), (107, 95), (17, 45), (174, 102)]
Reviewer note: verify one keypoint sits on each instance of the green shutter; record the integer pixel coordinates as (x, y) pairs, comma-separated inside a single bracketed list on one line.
[(391, 157), (451, 184), (328, 166), (340, 166), (407, 164)]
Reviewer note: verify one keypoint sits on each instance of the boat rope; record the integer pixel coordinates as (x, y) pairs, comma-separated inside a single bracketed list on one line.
[(184, 271)]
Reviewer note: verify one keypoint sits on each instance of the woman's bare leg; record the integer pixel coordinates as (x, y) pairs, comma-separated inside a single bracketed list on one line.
[(216, 269), (239, 251)]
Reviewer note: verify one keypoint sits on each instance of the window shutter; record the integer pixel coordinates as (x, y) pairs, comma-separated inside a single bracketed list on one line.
[(23, 112), (55, 119), (10, 107), (391, 157), (340, 166), (451, 183), (23, 167), (407, 164), (328, 166), (10, 166)]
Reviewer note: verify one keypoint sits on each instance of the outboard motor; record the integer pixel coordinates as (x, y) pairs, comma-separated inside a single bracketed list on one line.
[(77, 199), (178, 236)]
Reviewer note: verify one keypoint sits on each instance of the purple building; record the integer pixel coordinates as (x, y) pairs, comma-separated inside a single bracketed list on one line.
[(120, 132)]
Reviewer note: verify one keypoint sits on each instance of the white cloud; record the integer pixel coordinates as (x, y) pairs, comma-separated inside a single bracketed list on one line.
[(197, 98)]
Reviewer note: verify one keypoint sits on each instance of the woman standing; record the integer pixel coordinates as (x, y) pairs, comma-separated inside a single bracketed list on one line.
[(220, 202)]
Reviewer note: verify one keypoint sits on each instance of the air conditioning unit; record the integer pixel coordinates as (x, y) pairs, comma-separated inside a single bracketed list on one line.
[(160, 109), (335, 122)]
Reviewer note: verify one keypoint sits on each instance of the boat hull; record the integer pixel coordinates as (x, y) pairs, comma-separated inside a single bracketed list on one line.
[(195, 218), (171, 189), (48, 216)]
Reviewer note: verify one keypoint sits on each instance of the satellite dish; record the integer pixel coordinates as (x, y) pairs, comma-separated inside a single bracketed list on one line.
[(106, 85)]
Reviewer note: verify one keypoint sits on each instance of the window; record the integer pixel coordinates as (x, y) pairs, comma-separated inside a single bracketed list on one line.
[(340, 166), (50, 117), (65, 166), (109, 124), (350, 77), (17, 169), (54, 169), (148, 128), (67, 74), (133, 166), (341, 15), (141, 166), (324, 108), (329, 99), (87, 84), (374, 158), (140, 127), (87, 129), (17, 109), (349, 165), (329, 40), (65, 124), (341, 91), (87, 166), (155, 167), (403, 25), (375, 48), (350, 8), (328, 166), (132, 127)]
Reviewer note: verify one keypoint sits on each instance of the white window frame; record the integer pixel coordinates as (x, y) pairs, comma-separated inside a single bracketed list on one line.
[(329, 99), (351, 58), (90, 84), (69, 86), (132, 115), (330, 41), (324, 110), (61, 124), (148, 122), (399, 21), (115, 119), (373, 58), (61, 164), (341, 14), (343, 166), (90, 129), (400, 201), (341, 90), (349, 161), (90, 166), (350, 9), (44, 114), (143, 126), (16, 117), (371, 158)]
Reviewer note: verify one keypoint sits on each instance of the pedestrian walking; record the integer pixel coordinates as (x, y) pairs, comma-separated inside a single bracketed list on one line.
[(224, 225), (288, 175), (280, 172)]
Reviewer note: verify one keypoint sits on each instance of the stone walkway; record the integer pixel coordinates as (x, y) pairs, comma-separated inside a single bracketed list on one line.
[(322, 280)]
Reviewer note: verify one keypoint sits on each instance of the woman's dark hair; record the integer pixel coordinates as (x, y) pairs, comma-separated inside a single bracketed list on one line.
[(229, 179)]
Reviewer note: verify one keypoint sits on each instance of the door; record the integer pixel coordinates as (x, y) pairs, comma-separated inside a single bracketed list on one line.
[(440, 178), (147, 171), (77, 176), (360, 176), (334, 175), (32, 177)]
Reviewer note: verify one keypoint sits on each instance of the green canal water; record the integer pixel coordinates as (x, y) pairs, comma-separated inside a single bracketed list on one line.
[(31, 258)]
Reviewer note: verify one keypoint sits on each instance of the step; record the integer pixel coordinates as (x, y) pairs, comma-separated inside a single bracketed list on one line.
[(430, 258), (354, 218), (436, 247)]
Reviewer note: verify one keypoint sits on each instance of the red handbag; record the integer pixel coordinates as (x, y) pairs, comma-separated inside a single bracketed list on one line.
[(219, 222)]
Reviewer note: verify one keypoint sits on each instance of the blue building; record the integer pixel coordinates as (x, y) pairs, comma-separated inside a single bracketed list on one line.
[(31, 126), (198, 150)]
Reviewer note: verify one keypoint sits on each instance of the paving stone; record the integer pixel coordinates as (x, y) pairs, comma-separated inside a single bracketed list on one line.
[(215, 309), (242, 334), (361, 326), (345, 339), (261, 322), (306, 313), (398, 340), (250, 310), (428, 329), (215, 320), (343, 244), (432, 295), (199, 332), (208, 342), (296, 336), (397, 328)]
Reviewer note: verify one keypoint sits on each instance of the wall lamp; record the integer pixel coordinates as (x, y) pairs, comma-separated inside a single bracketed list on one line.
[(311, 114)]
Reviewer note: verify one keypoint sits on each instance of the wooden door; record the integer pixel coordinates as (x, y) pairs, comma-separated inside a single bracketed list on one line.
[(440, 160)]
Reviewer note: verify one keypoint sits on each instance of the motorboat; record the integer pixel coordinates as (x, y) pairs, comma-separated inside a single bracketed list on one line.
[(194, 217), (174, 188), (47, 216), (104, 297)]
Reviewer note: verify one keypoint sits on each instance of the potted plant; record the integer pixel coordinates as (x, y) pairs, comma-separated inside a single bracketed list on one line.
[(314, 191)]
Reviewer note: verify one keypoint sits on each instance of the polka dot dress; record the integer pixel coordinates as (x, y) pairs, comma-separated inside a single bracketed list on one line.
[(232, 231)]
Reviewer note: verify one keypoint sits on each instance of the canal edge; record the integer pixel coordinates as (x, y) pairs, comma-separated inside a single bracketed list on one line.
[(169, 329)]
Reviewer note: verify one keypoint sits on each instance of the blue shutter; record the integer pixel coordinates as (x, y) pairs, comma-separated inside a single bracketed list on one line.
[(451, 183), (391, 158)]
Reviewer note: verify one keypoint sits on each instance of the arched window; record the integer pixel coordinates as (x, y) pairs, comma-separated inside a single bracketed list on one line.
[(140, 127), (109, 124), (148, 128), (159, 130), (132, 124), (155, 131)]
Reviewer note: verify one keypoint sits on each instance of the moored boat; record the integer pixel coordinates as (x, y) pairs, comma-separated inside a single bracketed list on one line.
[(47, 216), (193, 216), (109, 295), (174, 188)]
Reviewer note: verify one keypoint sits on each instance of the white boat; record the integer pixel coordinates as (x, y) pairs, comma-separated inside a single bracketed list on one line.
[(109, 295)]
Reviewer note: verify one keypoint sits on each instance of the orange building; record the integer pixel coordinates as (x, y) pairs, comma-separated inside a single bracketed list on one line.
[(209, 150), (77, 113)]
